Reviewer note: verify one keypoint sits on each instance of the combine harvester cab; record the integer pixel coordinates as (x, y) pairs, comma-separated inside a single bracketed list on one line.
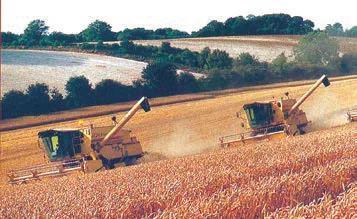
[(272, 119), (84, 150)]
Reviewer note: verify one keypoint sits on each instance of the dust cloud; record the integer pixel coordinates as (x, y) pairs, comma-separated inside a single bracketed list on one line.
[(181, 141), (326, 110)]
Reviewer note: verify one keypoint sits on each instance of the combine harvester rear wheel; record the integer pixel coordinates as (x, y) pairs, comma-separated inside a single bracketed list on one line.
[(352, 115)]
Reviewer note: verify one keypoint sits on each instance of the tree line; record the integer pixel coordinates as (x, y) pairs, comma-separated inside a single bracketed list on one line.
[(315, 54), (36, 33)]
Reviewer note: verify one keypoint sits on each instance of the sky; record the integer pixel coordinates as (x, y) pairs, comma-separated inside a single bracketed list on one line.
[(73, 16)]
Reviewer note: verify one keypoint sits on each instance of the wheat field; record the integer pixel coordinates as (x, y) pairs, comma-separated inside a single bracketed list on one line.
[(185, 173)]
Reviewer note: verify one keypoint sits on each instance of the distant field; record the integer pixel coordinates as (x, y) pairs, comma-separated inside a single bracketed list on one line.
[(20, 68), (265, 48)]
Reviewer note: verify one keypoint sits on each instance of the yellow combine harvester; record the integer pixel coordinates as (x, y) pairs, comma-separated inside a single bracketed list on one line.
[(273, 119), (85, 150)]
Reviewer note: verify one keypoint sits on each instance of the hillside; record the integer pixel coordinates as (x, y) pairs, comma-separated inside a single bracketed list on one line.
[(265, 48), (233, 182)]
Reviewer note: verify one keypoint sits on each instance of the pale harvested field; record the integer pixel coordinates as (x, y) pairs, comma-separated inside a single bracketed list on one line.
[(20, 68), (265, 48), (236, 182)]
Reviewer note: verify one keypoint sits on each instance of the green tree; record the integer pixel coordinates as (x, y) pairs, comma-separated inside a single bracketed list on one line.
[(166, 47), (187, 83), (219, 59), (351, 32), (203, 57), (334, 30), (236, 26), (248, 69), (57, 101), (280, 65), (38, 99), (349, 63), (317, 48), (128, 46), (213, 28), (98, 31), (35, 32), (8, 38), (58, 38), (79, 91), (13, 104), (245, 59), (160, 78), (110, 91)]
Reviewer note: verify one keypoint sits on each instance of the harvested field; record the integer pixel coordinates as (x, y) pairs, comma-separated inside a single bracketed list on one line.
[(20, 68), (265, 48), (261, 179)]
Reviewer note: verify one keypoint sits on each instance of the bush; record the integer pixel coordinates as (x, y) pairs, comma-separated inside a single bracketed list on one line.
[(110, 91), (348, 63), (38, 99), (57, 101), (13, 104), (87, 46), (187, 83), (160, 78), (317, 48), (99, 45), (114, 46), (79, 91)]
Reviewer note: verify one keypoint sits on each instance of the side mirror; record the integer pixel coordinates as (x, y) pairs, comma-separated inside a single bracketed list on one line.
[(114, 119)]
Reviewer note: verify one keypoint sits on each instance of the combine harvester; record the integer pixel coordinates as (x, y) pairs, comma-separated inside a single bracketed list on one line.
[(352, 115), (84, 150), (273, 119)]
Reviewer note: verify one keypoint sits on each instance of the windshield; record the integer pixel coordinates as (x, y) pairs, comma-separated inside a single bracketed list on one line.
[(60, 145), (259, 115)]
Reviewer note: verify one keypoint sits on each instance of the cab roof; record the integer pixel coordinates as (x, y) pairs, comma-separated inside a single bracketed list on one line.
[(51, 132), (257, 103)]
